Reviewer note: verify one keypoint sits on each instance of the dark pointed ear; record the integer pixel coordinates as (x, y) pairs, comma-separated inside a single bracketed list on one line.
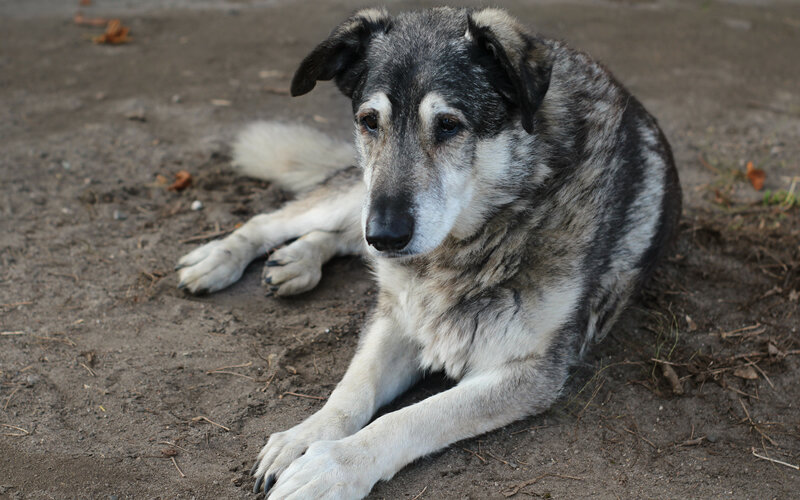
[(524, 60), (341, 56)]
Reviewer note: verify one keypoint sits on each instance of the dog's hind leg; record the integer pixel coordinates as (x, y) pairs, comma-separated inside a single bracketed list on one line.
[(327, 221)]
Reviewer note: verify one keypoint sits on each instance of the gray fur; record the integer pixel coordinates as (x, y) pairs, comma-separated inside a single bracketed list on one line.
[(529, 225)]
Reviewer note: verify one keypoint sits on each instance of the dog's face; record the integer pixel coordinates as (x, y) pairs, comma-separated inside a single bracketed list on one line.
[(432, 91)]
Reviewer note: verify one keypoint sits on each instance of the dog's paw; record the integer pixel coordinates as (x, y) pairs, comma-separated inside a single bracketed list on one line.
[(285, 447), (213, 266), (329, 470), (293, 269)]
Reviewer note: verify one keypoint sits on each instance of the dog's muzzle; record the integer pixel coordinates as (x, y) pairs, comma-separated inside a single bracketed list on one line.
[(389, 224)]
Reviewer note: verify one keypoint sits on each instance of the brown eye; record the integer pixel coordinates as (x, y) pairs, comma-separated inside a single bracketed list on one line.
[(370, 122), (448, 125)]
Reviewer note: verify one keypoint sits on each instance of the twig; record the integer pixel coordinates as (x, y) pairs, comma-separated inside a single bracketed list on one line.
[(639, 435), (15, 304), (301, 396), (264, 389), (420, 493), (8, 400), (203, 417), (754, 426), (513, 491), (24, 432), (169, 443), (733, 333), (65, 340), (176, 466), (12, 333), (795, 467), (91, 372), (754, 365), (499, 459), (231, 373), (205, 236), (705, 163), (475, 454), (243, 365)]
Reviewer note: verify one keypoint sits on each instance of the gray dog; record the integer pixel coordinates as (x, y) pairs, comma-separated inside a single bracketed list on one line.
[(514, 197)]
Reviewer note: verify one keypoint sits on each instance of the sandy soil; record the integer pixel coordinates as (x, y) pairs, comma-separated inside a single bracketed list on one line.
[(108, 373)]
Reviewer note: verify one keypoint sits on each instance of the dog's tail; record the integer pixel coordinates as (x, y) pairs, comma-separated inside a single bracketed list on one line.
[(295, 157)]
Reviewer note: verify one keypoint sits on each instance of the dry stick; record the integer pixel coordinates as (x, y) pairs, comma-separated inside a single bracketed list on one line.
[(499, 459), (24, 432), (639, 435), (205, 236), (203, 417), (12, 333), (231, 373), (754, 426), (420, 493), (8, 400), (169, 443), (513, 491), (243, 365), (672, 378), (301, 396), (761, 372), (739, 330), (795, 467), (264, 389), (475, 454), (15, 304), (91, 372), (176, 466)]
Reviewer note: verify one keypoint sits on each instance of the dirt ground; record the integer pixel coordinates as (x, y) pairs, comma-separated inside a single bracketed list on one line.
[(114, 384)]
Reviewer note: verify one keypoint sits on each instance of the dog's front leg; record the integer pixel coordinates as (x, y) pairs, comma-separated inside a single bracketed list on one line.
[(384, 366), (349, 467)]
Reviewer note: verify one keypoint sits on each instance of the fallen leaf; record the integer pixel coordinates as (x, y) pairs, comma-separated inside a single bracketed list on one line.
[(746, 372), (115, 33), (182, 181), (756, 176), (169, 452), (88, 21)]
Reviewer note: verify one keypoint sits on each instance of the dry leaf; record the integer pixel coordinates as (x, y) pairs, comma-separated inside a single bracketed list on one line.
[(746, 372), (169, 452), (115, 33), (88, 21), (756, 176), (794, 295), (182, 181)]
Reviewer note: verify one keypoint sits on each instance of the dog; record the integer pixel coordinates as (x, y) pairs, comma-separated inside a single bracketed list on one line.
[(514, 197)]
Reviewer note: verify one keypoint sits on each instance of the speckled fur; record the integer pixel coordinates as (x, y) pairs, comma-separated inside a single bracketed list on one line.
[(535, 222)]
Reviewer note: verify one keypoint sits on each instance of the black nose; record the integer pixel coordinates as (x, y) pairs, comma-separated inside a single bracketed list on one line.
[(389, 225)]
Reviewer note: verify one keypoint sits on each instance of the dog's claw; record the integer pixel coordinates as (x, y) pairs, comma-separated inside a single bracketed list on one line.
[(273, 263), (269, 483), (254, 468), (182, 285), (259, 482), (268, 280)]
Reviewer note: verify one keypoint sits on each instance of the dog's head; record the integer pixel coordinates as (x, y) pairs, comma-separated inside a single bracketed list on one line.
[(436, 97)]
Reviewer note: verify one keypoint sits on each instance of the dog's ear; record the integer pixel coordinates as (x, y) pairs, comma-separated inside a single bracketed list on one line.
[(341, 55), (524, 61)]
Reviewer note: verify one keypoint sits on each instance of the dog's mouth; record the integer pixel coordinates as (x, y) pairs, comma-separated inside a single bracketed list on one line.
[(392, 254)]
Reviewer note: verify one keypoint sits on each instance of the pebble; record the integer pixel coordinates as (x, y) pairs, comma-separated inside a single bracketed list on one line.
[(119, 215), (197, 205)]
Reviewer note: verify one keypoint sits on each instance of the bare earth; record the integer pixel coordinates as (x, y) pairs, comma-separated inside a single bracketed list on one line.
[(108, 373)]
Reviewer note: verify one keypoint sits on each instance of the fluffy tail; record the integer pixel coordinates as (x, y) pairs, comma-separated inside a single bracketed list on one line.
[(295, 157)]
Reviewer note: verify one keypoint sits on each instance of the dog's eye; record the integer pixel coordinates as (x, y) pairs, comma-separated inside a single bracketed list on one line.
[(448, 125), (370, 122)]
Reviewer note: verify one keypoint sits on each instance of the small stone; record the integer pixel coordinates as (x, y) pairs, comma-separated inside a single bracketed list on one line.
[(197, 205), (31, 380), (119, 215), (711, 438), (66, 165), (176, 99)]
